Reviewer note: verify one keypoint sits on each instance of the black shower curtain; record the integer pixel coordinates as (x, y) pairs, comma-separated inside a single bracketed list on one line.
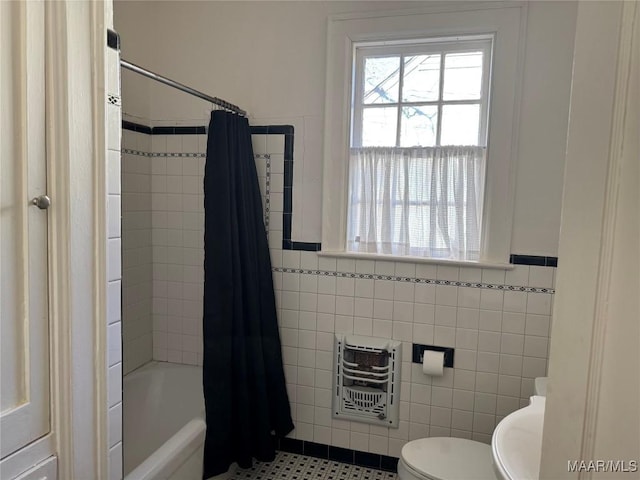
[(243, 378)]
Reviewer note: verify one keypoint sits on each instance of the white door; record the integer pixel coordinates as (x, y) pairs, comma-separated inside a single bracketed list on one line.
[(24, 334)]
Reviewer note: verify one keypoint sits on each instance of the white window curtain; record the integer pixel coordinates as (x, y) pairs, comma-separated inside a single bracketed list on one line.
[(423, 202)]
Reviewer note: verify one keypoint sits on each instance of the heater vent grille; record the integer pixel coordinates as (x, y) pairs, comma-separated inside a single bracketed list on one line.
[(366, 380)]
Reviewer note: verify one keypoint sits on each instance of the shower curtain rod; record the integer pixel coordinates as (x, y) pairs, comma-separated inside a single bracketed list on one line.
[(180, 86)]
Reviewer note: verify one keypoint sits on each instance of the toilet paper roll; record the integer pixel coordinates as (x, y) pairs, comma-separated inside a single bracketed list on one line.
[(433, 363)]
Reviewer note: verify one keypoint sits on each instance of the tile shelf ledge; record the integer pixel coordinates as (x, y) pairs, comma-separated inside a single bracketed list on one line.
[(410, 259)]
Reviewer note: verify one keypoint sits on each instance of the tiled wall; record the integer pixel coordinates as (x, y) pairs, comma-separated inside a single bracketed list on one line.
[(137, 266), (497, 321), (177, 171), (114, 267)]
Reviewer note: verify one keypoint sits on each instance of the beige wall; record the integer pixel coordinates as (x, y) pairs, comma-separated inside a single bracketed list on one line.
[(269, 58)]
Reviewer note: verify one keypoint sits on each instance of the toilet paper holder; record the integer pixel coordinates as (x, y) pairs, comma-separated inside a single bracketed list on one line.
[(418, 353)]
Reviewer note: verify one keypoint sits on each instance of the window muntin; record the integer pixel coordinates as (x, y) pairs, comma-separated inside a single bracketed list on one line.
[(419, 94)]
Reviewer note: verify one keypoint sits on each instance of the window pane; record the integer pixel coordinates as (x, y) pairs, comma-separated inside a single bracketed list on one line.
[(460, 124), (421, 78), (379, 127), (462, 76), (419, 125), (381, 79)]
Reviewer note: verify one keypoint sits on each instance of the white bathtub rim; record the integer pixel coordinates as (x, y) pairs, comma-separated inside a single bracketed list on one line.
[(164, 461)]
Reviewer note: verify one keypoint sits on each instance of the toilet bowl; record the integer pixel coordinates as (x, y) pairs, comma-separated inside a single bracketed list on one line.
[(445, 458)]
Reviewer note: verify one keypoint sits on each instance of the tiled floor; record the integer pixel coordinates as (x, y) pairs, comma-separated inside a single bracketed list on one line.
[(290, 466)]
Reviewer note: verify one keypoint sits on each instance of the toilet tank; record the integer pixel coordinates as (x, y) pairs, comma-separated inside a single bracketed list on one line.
[(540, 386)]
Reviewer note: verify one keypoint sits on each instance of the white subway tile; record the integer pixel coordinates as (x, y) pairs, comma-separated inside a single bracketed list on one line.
[(364, 288), (344, 305), (462, 420), (515, 301), (383, 267), (470, 274), (383, 309), (446, 295), (114, 342), (425, 293), (363, 326), (512, 344), (440, 417), (403, 311), (467, 318), (518, 277), (469, 297), (534, 367), (445, 315), (379, 444), (345, 286), (486, 382), (423, 333), (493, 276), (491, 299), (539, 303), (424, 313), (509, 385), (404, 291), (307, 319), (402, 331), (115, 424), (115, 462), (344, 324), (510, 364), (384, 289), (536, 346), (484, 423), (513, 322), (114, 387), (445, 272), (490, 321), (463, 399), (537, 325), (382, 328), (340, 438), (326, 303), (541, 277), (465, 359), (308, 302), (444, 336), (466, 339)]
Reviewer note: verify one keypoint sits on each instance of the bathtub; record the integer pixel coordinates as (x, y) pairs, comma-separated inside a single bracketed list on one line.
[(163, 422)]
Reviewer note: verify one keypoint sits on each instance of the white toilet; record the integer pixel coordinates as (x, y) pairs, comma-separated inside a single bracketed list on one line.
[(445, 458)]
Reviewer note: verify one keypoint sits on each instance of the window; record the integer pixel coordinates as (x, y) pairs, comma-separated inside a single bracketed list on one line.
[(417, 162), (421, 123), (425, 94)]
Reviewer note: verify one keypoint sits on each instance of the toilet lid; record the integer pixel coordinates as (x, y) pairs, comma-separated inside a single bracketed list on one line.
[(442, 458)]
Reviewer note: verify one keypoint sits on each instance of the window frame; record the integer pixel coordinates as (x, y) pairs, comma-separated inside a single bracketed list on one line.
[(421, 46), (507, 24)]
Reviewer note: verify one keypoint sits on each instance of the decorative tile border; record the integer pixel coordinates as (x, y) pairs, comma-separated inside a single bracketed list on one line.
[(114, 100), (338, 454), (137, 152), (288, 132), (179, 154), (113, 39), (393, 278), (267, 189)]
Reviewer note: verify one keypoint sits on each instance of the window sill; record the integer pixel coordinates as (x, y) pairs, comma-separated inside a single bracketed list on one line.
[(408, 259)]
